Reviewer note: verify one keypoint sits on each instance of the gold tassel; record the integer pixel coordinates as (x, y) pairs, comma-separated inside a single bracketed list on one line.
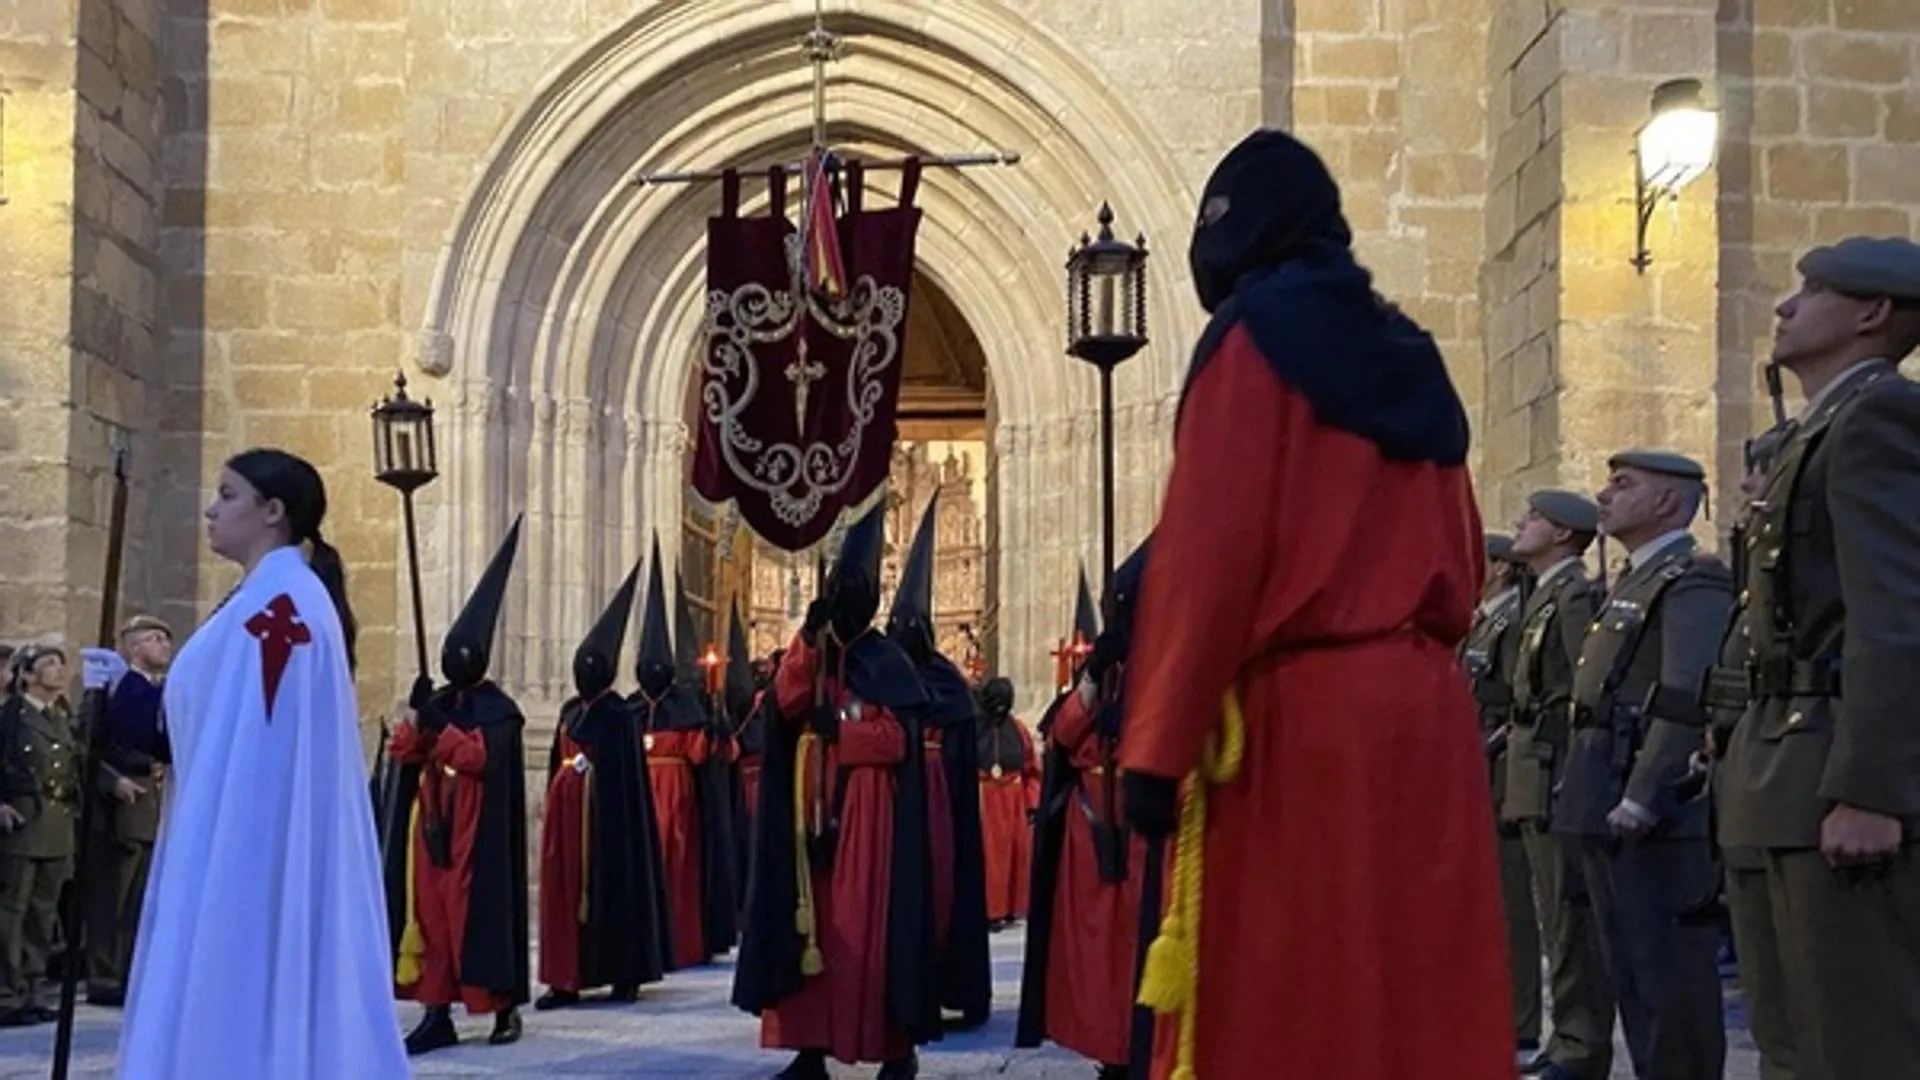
[(586, 842), (812, 962), (413, 941), (1170, 982)]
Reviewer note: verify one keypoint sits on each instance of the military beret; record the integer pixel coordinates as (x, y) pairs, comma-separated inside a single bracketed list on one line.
[(1500, 546), (1663, 462), (1567, 509), (145, 622), (1867, 266)]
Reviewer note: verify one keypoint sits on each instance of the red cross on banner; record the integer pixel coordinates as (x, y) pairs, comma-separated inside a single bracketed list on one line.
[(279, 630)]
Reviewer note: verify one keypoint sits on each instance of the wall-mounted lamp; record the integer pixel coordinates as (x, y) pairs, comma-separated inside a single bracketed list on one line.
[(1675, 146)]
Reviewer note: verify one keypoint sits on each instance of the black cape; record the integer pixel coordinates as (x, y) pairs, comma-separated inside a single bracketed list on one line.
[(494, 954), (1058, 781), (878, 672), (625, 939), (751, 737), (965, 965)]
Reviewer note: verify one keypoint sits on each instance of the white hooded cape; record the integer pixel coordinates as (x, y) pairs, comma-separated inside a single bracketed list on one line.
[(263, 949)]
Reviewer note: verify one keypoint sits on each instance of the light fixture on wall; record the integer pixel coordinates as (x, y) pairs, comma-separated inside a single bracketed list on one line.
[(1670, 151)]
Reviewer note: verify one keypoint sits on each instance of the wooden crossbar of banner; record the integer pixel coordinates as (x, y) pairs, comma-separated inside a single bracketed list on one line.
[(939, 161)]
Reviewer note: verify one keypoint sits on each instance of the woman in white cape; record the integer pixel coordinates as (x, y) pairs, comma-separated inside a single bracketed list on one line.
[(263, 950)]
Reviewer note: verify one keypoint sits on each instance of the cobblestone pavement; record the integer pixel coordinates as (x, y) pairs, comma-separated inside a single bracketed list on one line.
[(682, 1030)]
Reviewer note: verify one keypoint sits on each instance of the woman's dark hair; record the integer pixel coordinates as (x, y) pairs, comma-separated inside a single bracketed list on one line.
[(276, 474)]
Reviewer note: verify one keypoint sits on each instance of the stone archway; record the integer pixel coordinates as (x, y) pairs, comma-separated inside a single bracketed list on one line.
[(564, 316)]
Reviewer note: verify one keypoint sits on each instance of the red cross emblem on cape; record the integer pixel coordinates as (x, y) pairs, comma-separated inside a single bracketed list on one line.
[(278, 629)]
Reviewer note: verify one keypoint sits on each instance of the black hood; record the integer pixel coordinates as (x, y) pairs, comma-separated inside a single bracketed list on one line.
[(910, 623), (655, 667), (1268, 200), (596, 661), (853, 586), (466, 652)]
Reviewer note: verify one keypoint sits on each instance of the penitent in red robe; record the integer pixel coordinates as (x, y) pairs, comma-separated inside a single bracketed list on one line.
[(563, 853), (1351, 920), (672, 757), (843, 1010), (453, 766), (1009, 792), (1096, 923)]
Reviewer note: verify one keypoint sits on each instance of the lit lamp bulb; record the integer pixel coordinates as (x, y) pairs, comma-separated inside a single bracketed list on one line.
[(710, 661), (1678, 143)]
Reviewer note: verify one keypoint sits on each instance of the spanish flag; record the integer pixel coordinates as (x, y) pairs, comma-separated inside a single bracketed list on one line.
[(826, 274)]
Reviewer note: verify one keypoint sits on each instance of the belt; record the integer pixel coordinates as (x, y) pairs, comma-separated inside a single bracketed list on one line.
[(668, 759), (1789, 677)]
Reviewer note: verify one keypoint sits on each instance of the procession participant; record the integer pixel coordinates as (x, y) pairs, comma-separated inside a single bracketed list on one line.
[(1009, 794), (465, 938), (602, 903), (1552, 537), (1487, 655), (713, 783), (1083, 933), (958, 871), (41, 762), (262, 946), (837, 956), (131, 779), (739, 696), (1317, 559), (1645, 850), (1824, 772)]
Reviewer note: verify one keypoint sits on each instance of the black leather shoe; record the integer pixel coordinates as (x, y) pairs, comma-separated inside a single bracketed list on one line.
[(555, 999), (624, 993), (906, 1068), (22, 1017), (1111, 1072), (107, 998), (506, 1028), (434, 1032), (806, 1065)]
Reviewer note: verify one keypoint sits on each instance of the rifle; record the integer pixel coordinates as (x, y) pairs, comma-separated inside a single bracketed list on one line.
[(93, 708)]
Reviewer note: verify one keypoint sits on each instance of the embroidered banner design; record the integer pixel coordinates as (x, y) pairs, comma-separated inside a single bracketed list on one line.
[(806, 338)]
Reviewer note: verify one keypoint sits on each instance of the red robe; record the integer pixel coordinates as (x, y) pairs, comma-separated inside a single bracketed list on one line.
[(563, 849), (1096, 923), (939, 834), (671, 759), (1005, 803), (843, 1010), (1351, 920), (440, 894)]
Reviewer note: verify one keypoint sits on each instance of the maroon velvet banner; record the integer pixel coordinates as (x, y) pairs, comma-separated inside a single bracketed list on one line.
[(798, 388)]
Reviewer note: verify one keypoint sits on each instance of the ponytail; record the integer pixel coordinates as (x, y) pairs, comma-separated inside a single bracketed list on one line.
[(332, 573)]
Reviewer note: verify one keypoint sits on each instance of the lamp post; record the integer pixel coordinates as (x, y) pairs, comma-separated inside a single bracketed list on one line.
[(1670, 151), (404, 459), (1106, 326)]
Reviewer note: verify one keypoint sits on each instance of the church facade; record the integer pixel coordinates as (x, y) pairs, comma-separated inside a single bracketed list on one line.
[(230, 222)]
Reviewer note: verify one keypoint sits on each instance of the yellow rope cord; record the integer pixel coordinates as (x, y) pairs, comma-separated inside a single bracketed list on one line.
[(1170, 982), (413, 941), (586, 841), (811, 961)]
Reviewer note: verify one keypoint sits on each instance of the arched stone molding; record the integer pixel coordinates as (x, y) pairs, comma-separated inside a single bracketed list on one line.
[(566, 311)]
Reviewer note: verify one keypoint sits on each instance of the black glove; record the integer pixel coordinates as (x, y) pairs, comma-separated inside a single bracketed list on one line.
[(427, 715), (825, 720), (1152, 802), (819, 613), (1109, 652)]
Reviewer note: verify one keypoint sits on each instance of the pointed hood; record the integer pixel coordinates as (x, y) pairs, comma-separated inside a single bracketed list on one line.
[(854, 585), (655, 669), (467, 650), (598, 657), (1086, 622), (910, 623), (739, 665)]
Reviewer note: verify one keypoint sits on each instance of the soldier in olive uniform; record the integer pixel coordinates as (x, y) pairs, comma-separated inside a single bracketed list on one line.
[(131, 776), (1552, 537), (39, 804), (1744, 869), (1823, 772), (1637, 725), (1487, 655)]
